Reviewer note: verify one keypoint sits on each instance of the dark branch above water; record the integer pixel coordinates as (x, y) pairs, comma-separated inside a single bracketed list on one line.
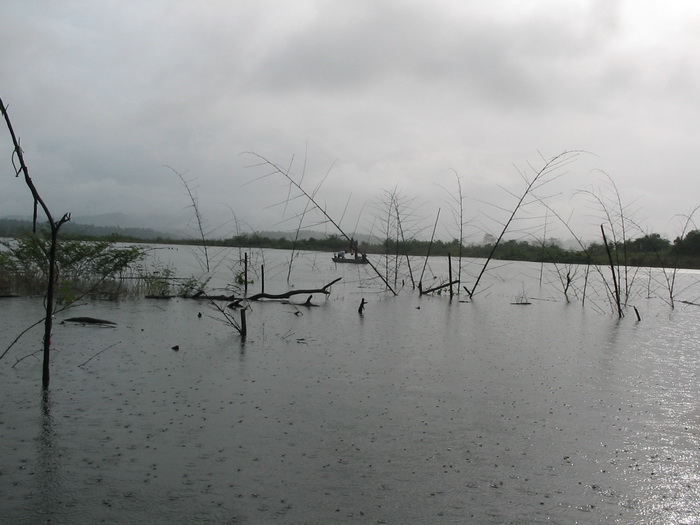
[(286, 295)]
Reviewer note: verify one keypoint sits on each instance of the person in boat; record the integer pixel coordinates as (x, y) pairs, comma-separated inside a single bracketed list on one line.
[(341, 254)]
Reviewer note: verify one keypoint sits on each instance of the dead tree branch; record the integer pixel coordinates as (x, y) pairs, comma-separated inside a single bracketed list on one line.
[(98, 353), (285, 295), (436, 288)]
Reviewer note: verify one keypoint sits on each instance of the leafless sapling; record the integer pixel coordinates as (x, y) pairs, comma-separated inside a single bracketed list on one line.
[(54, 226)]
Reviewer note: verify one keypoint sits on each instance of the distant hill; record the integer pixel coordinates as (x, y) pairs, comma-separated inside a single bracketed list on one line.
[(15, 227), (102, 226)]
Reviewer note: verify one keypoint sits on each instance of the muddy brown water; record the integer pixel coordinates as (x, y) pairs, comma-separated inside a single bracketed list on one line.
[(422, 410)]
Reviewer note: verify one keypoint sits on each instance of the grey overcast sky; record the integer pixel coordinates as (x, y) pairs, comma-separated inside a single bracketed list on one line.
[(377, 95)]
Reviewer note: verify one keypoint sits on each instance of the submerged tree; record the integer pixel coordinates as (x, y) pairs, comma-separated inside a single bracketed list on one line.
[(460, 221), (616, 279), (457, 209), (297, 190), (619, 220), (546, 174), (54, 225), (398, 226), (194, 204)]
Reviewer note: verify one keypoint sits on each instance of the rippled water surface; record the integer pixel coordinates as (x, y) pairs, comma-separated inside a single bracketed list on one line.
[(421, 410)]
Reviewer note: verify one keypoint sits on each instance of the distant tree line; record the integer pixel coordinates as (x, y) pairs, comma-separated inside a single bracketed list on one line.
[(648, 250)]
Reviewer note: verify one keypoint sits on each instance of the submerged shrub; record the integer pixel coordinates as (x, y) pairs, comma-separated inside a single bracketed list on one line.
[(158, 281), (97, 268)]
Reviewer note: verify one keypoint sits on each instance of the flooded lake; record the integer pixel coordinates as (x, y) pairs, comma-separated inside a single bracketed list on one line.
[(424, 409)]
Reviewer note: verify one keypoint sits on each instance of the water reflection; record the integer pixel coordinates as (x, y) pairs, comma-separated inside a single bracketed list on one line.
[(48, 477)]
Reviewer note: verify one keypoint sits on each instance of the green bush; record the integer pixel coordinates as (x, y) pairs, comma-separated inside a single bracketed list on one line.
[(96, 268)]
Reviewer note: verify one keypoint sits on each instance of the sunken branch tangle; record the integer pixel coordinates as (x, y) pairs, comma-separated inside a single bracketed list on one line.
[(286, 295), (548, 173), (567, 280), (54, 226), (277, 170)]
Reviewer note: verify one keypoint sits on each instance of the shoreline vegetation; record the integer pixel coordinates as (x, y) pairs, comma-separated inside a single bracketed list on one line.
[(650, 250)]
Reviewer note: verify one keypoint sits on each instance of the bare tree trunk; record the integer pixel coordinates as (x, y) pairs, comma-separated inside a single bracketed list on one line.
[(48, 324), (449, 273), (245, 274), (244, 325)]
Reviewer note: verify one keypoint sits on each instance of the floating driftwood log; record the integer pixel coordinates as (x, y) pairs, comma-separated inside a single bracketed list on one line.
[(286, 295), (87, 320)]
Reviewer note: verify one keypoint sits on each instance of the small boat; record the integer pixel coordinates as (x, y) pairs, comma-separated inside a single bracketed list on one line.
[(351, 259)]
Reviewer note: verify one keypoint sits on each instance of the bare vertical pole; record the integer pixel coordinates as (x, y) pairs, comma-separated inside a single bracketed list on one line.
[(48, 324), (245, 274), (244, 327), (262, 278)]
